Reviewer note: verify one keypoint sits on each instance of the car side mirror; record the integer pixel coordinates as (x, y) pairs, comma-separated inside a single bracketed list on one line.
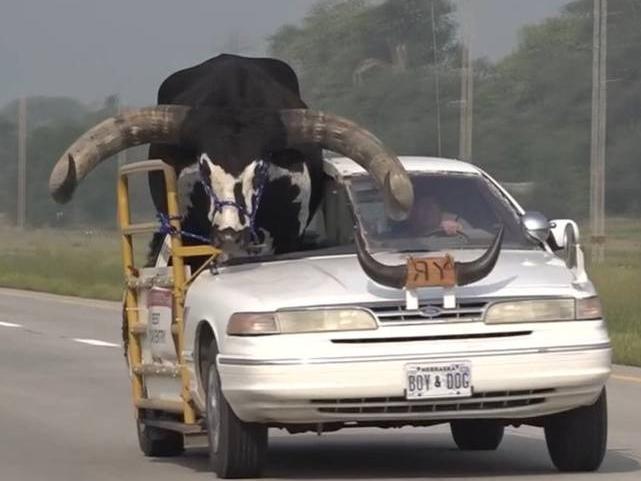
[(565, 235), (536, 226), (563, 232)]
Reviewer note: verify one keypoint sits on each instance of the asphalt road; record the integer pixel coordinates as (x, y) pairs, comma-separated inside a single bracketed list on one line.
[(65, 414)]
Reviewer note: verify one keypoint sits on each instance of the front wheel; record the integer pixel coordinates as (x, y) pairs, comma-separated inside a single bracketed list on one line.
[(236, 449), (477, 434), (577, 439)]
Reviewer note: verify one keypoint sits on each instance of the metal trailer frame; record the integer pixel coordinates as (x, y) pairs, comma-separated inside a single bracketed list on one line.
[(178, 284)]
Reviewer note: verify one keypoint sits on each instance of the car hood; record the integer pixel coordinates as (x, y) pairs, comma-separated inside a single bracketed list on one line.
[(340, 280)]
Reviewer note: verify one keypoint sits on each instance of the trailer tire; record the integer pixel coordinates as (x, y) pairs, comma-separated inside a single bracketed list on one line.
[(236, 449), (160, 443)]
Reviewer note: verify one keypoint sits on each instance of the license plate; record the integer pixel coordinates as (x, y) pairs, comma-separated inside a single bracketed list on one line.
[(438, 380)]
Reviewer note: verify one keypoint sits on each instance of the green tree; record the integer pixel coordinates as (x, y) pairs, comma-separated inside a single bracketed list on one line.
[(8, 168), (53, 126), (533, 112), (374, 62)]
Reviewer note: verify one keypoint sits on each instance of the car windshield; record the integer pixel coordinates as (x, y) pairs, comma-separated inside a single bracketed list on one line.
[(450, 211)]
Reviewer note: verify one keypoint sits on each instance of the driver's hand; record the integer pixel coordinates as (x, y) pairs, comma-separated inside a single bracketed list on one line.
[(451, 227)]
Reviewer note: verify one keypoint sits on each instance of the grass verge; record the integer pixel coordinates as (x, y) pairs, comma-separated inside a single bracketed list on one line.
[(618, 281), (83, 264)]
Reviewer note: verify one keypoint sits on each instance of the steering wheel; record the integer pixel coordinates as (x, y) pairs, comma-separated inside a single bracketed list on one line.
[(440, 232)]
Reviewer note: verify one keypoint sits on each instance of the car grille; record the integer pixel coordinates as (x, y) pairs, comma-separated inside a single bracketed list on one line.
[(399, 405), (465, 311), (445, 337)]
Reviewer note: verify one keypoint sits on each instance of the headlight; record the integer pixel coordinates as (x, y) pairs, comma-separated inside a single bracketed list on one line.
[(531, 311), (300, 321), (322, 320)]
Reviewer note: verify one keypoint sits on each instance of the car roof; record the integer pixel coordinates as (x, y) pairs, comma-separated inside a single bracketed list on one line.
[(338, 167)]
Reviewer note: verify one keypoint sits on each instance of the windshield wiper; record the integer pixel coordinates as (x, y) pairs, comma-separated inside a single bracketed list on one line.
[(444, 248), (406, 251)]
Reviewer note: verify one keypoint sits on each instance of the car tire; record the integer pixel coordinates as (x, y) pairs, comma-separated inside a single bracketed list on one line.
[(477, 434), (577, 439), (156, 442), (236, 449)]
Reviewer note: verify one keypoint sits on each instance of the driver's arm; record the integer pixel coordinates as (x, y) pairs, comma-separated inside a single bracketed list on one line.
[(451, 224)]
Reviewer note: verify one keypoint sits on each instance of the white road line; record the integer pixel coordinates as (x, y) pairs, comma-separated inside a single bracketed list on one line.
[(96, 342), (620, 377), (9, 324)]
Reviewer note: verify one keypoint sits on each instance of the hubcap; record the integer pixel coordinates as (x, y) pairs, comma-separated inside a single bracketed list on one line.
[(213, 419)]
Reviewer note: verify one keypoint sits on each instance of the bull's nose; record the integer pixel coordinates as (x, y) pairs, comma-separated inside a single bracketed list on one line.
[(228, 235)]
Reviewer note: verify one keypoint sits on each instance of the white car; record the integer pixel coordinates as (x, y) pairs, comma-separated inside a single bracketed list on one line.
[(309, 342)]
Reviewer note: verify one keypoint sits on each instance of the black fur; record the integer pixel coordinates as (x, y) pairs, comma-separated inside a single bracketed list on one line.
[(235, 121)]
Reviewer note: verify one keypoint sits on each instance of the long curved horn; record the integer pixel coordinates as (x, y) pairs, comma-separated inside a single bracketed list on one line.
[(469, 272), (349, 139), (391, 276), (397, 276), (160, 124)]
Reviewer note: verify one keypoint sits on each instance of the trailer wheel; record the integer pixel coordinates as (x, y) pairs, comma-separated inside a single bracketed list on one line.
[(156, 442), (477, 434), (236, 449), (577, 439)]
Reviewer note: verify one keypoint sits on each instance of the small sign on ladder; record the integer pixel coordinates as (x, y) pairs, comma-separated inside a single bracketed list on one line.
[(161, 341)]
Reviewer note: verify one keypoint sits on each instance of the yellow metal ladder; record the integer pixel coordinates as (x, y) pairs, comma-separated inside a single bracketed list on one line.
[(138, 327)]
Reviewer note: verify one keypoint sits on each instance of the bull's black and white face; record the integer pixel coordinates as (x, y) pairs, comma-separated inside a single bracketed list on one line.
[(253, 206), (232, 202)]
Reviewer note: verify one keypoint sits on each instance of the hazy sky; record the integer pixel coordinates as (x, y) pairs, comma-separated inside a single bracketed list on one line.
[(91, 48)]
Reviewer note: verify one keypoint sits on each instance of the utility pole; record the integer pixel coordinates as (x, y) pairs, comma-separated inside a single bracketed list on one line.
[(22, 164), (467, 85), (598, 140), (437, 88)]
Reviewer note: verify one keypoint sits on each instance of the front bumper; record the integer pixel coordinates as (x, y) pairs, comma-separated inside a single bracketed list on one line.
[(507, 384)]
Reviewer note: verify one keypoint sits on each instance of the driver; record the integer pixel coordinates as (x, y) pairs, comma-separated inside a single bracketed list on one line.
[(427, 216)]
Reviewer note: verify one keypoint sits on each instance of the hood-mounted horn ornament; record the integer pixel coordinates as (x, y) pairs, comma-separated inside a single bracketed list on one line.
[(428, 271)]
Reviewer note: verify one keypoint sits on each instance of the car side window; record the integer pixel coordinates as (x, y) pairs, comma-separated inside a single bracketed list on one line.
[(337, 214)]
